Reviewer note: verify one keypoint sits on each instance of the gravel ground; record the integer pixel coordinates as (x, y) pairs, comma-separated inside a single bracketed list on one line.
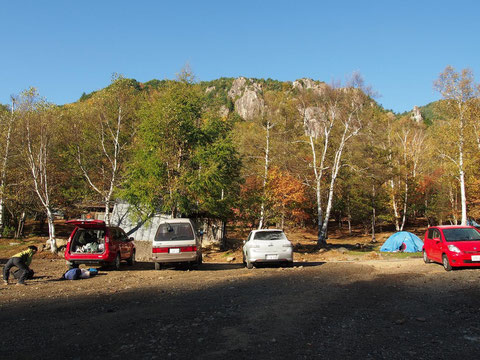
[(378, 309)]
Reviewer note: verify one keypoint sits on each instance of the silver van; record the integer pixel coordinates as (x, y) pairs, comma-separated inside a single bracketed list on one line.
[(176, 242)]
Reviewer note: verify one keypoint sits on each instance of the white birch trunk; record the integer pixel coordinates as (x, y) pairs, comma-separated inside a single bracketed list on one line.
[(318, 171), (394, 205), (4, 167), (463, 196), (38, 162), (265, 175), (336, 167)]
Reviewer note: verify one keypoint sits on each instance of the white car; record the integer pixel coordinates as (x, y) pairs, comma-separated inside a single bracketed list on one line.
[(267, 246)]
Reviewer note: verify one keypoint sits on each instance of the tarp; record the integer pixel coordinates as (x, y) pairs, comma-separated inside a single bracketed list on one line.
[(403, 241)]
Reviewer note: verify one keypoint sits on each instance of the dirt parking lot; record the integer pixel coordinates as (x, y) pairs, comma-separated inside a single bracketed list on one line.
[(363, 309)]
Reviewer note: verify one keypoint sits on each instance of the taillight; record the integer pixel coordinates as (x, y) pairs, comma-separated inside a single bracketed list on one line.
[(188, 248), (159, 250)]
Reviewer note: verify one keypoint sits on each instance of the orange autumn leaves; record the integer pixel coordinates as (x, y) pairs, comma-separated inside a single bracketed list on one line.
[(286, 199)]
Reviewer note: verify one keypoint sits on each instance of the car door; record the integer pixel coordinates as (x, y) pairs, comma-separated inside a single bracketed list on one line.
[(125, 244), (436, 245), (114, 241), (246, 247), (428, 242)]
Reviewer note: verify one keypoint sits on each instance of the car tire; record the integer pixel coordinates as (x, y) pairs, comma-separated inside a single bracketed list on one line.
[(116, 262), (446, 263), (199, 260), (158, 266), (131, 259), (289, 263), (249, 264), (425, 258)]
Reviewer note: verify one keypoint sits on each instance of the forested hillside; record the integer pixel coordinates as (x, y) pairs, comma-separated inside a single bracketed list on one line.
[(252, 151)]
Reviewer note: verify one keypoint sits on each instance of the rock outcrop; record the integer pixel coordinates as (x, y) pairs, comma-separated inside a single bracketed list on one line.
[(305, 83), (416, 114), (246, 95), (313, 120)]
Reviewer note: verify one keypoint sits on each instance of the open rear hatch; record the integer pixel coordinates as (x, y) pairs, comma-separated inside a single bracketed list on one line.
[(89, 238)]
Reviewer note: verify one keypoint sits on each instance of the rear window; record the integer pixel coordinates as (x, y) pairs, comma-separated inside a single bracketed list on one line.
[(88, 241), (461, 234), (174, 231), (270, 235)]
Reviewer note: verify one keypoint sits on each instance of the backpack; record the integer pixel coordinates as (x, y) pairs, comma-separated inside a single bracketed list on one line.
[(73, 274)]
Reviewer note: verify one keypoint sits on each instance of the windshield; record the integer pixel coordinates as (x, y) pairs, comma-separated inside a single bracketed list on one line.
[(270, 235), (461, 234), (174, 231)]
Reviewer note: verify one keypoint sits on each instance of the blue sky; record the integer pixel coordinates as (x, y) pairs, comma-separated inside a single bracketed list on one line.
[(65, 48)]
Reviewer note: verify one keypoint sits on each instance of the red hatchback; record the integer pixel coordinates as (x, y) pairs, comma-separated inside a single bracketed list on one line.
[(92, 242), (452, 246)]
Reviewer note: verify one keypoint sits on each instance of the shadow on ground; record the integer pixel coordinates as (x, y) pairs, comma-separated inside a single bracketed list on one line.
[(318, 312)]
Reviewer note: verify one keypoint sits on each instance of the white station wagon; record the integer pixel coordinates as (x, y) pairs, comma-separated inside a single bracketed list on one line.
[(267, 246)]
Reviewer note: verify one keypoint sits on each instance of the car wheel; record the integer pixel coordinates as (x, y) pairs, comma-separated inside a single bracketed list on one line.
[(199, 260), (446, 263), (425, 258), (158, 266), (249, 264), (131, 259), (243, 258), (289, 263), (116, 263)]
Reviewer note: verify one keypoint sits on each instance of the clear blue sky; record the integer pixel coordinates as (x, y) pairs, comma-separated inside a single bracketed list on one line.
[(65, 48)]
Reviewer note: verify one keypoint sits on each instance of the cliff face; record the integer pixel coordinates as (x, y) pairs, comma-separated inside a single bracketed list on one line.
[(246, 95)]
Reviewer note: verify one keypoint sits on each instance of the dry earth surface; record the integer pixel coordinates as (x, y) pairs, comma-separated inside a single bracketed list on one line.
[(337, 304)]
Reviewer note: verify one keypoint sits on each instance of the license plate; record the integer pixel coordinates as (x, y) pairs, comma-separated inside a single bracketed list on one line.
[(475, 257), (174, 251), (272, 257)]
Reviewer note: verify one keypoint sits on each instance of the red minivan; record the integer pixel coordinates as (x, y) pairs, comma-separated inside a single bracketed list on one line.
[(452, 246), (92, 242)]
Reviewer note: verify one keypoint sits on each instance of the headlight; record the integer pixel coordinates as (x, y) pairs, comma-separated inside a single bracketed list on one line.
[(454, 249)]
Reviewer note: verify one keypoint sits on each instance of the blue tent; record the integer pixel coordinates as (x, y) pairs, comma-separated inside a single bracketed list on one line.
[(403, 241)]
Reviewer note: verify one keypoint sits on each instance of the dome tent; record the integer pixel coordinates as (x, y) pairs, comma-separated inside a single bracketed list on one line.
[(403, 241)]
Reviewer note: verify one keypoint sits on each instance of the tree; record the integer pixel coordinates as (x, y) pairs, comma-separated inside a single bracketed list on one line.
[(183, 160), (288, 197), (7, 119), (338, 118), (458, 92), (39, 122), (104, 126)]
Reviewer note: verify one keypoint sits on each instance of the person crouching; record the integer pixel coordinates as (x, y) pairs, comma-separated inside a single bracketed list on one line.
[(22, 261)]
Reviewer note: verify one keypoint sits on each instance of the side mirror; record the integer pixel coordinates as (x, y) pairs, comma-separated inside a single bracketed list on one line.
[(436, 239), (131, 239), (244, 242)]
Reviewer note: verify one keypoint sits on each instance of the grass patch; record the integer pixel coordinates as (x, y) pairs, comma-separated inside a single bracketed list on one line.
[(402, 255)]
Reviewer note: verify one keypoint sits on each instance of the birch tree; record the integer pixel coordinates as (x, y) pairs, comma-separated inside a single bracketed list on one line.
[(267, 125), (320, 112), (458, 91), (104, 129), (353, 101), (39, 120), (7, 120)]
